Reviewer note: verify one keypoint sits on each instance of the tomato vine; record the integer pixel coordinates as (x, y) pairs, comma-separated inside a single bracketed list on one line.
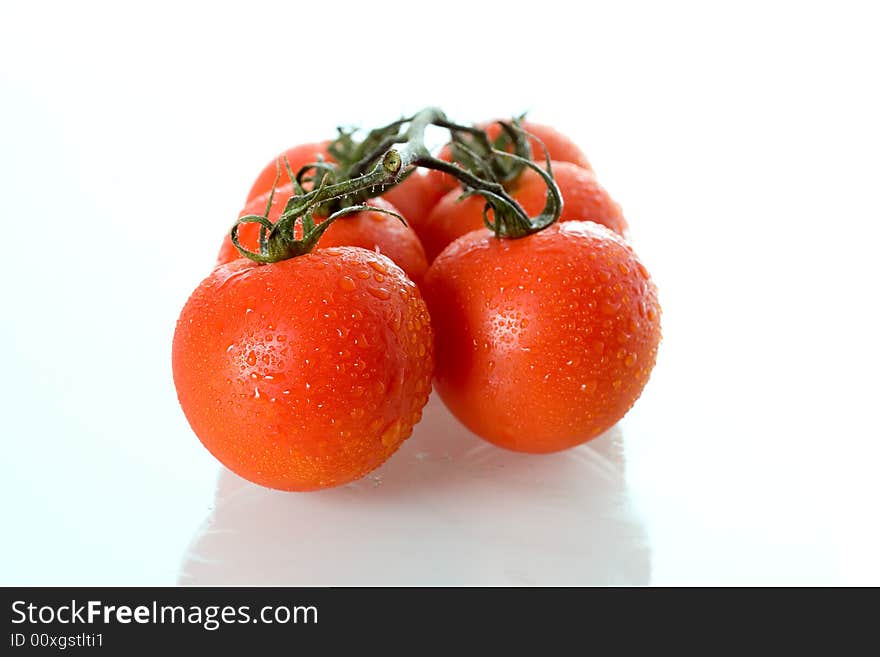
[(383, 159)]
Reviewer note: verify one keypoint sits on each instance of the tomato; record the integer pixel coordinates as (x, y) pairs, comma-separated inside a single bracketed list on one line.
[(414, 197), (368, 230), (559, 147), (306, 373), (297, 157), (542, 342), (584, 199)]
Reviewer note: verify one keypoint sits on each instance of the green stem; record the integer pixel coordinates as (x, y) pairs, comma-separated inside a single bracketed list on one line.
[(389, 164)]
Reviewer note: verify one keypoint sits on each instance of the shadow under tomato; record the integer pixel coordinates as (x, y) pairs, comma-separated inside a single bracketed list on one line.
[(447, 509)]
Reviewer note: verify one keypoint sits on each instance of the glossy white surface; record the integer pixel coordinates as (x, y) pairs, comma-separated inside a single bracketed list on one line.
[(742, 144), (448, 509)]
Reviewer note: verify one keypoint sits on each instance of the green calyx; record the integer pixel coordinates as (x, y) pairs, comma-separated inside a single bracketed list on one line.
[(385, 157), (278, 241), (472, 149)]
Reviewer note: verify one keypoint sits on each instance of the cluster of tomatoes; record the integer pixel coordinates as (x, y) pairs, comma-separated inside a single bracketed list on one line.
[(310, 372)]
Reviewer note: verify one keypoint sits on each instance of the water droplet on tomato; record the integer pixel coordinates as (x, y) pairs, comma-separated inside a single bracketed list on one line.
[(391, 434), (379, 266), (608, 307)]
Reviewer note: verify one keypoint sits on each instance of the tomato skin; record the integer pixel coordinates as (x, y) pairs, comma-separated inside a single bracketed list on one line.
[(584, 199), (414, 197), (544, 342), (368, 230), (560, 148), (297, 157), (306, 373)]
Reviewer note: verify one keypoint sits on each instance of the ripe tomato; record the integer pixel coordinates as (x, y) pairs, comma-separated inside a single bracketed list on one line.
[(297, 157), (306, 373), (560, 148), (374, 231), (414, 197), (542, 342), (584, 199)]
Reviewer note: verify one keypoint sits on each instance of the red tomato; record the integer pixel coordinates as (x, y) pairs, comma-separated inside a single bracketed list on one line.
[(414, 197), (297, 158), (560, 148), (374, 231), (542, 342), (306, 373), (584, 199)]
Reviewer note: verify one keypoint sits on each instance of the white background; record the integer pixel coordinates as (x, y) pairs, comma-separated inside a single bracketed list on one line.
[(742, 141)]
